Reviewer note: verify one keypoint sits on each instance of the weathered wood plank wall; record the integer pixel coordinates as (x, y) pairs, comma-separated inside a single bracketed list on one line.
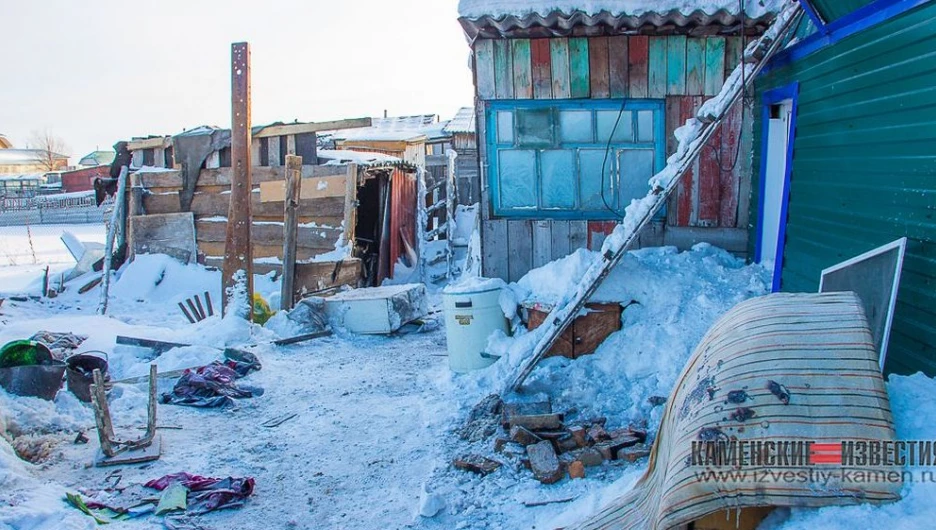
[(320, 218), (683, 71)]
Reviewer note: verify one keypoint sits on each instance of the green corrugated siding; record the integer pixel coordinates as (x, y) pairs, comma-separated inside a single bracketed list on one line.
[(864, 168), (835, 9)]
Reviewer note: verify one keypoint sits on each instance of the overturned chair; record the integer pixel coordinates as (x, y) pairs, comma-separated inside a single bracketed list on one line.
[(784, 368), (115, 451)]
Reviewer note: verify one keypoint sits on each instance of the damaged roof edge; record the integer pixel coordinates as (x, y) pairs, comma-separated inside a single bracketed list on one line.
[(579, 24)]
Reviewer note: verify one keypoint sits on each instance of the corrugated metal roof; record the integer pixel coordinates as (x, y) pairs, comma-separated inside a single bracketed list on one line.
[(551, 18), (98, 158), (463, 122), (631, 8), (16, 157), (395, 129)]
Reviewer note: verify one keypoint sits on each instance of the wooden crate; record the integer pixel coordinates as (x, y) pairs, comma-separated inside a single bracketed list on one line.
[(586, 333)]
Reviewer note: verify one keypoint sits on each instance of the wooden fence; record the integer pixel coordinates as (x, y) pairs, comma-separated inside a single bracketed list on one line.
[(327, 213)]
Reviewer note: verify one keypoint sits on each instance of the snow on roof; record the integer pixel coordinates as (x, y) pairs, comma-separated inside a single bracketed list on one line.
[(357, 157), (15, 157), (463, 122), (98, 158), (396, 129), (521, 8), (33, 176), (492, 19)]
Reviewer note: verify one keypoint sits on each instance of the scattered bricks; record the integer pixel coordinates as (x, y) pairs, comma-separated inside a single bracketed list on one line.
[(523, 436), (512, 450), (641, 434), (625, 438), (590, 457), (500, 444), (633, 453), (476, 464), (576, 470), (580, 435), (552, 435), (524, 409), (538, 422), (656, 401), (544, 463), (566, 443), (597, 433), (605, 450)]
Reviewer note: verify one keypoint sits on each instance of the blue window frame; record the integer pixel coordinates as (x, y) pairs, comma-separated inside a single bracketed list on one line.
[(545, 158)]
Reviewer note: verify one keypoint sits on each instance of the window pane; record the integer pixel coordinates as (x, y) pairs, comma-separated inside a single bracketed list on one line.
[(625, 128), (645, 128), (636, 169), (576, 126), (534, 127), (505, 127), (590, 162), (557, 174), (517, 177)]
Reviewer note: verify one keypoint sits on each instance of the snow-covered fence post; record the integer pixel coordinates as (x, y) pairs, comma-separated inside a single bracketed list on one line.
[(116, 225), (238, 255), (450, 209), (290, 230), (422, 222)]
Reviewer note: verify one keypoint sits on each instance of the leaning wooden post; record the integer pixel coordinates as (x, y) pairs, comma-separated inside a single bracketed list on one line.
[(291, 230), (112, 231), (238, 256)]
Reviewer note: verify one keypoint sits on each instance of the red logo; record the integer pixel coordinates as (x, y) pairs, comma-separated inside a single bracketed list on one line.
[(826, 454)]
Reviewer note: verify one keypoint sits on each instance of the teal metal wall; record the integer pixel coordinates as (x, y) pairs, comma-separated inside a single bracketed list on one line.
[(864, 167)]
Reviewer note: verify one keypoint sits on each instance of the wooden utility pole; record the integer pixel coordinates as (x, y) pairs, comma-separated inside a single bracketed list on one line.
[(238, 255), (290, 230)]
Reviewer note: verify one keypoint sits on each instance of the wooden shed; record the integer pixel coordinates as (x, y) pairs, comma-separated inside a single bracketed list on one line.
[(576, 110), (340, 205), (846, 159)]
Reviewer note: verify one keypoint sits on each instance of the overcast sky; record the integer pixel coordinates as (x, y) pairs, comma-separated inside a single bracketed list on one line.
[(97, 71)]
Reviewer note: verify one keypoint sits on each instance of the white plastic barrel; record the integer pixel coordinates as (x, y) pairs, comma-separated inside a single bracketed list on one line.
[(472, 314)]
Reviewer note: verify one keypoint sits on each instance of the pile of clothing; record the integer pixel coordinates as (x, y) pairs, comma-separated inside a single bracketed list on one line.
[(214, 386)]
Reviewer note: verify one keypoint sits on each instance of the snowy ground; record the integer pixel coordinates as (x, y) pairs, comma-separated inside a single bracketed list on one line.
[(26, 251), (372, 440)]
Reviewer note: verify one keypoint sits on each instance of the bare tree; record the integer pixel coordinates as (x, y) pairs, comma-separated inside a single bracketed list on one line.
[(50, 147)]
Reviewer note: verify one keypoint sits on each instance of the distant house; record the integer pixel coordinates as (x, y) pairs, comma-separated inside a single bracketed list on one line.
[(576, 109), (82, 179), (27, 161), (846, 157), (464, 141), (20, 186), (97, 158)]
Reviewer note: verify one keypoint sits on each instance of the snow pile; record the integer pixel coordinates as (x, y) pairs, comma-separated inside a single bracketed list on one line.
[(28, 503), (672, 299), (519, 8)]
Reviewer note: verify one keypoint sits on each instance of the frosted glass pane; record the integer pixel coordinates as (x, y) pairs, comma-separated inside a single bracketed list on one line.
[(636, 169), (590, 161), (517, 177), (505, 127), (625, 128), (576, 126), (534, 127), (645, 129), (557, 174)]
